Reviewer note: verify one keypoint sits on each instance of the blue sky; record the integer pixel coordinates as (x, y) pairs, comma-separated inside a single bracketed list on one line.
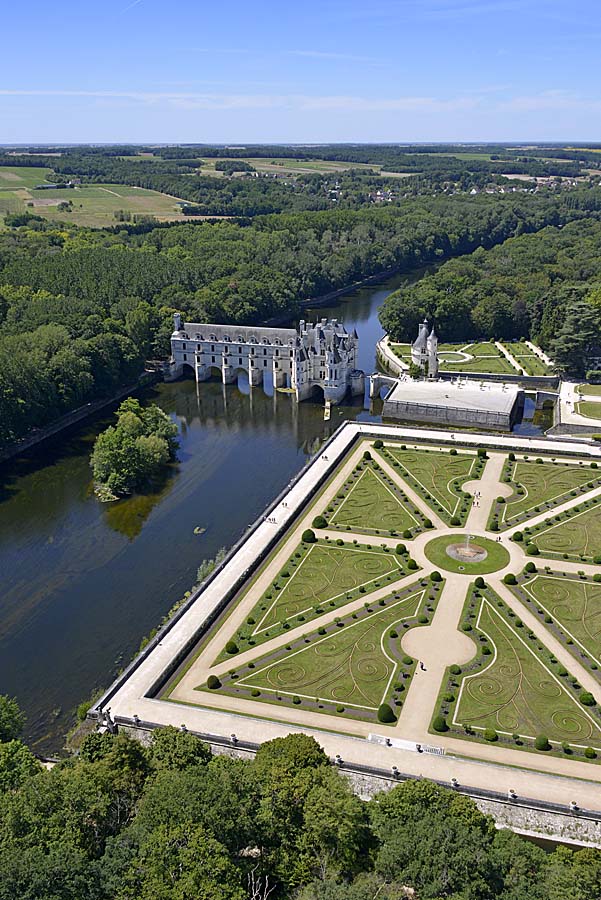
[(304, 71)]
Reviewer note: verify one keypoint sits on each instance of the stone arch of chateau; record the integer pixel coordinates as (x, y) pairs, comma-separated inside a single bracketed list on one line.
[(322, 355)]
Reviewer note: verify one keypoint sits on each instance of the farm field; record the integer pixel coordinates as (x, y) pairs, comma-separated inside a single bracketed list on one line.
[(574, 604), (370, 503), (357, 662), (535, 484), (439, 475), (282, 166), (14, 178), (90, 205), (578, 536)]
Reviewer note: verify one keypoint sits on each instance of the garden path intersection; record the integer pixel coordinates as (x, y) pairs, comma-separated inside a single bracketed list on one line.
[(319, 665)]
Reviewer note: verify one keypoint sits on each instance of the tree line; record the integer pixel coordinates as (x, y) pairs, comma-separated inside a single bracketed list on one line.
[(170, 821), (544, 286), (81, 309)]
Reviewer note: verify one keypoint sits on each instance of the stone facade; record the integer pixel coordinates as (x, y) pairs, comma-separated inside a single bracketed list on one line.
[(321, 356), (424, 350)]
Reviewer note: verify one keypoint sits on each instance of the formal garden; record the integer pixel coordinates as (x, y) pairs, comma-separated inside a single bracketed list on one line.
[(514, 691), (370, 502), (354, 665), (539, 485), (569, 606), (438, 476), (573, 534), (324, 634)]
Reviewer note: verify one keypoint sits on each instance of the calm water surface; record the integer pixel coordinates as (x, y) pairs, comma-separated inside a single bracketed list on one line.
[(82, 582)]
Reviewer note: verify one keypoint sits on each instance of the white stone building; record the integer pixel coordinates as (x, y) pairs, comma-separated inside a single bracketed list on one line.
[(424, 350), (321, 356)]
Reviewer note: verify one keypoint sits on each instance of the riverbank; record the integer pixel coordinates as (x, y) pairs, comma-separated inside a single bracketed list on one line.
[(76, 417)]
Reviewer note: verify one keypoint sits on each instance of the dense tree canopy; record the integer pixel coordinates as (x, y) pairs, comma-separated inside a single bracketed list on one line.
[(131, 453), (122, 822), (545, 286)]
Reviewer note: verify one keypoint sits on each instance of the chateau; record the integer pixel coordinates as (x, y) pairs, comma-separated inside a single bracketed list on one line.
[(321, 356)]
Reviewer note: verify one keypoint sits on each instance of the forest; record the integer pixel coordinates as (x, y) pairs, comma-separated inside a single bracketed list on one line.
[(544, 286), (170, 821), (82, 309)]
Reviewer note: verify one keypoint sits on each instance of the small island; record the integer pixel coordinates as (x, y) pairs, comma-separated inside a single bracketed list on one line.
[(130, 454)]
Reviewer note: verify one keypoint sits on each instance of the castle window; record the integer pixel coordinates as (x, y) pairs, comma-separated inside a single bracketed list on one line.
[(239, 360), (275, 365), (239, 349), (277, 352), (212, 348), (264, 352), (212, 359), (291, 355), (183, 346), (265, 364), (198, 347), (185, 356)]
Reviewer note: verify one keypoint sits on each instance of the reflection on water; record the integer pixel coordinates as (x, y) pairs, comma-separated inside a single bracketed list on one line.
[(81, 582)]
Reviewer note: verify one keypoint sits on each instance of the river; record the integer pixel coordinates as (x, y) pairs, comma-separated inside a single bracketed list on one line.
[(82, 582)]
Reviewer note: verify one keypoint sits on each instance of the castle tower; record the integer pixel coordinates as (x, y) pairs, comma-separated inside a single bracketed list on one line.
[(419, 348), (432, 347)]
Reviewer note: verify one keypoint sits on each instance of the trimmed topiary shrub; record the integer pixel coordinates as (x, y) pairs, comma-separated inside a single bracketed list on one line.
[(541, 742), (231, 647), (385, 714), (400, 549), (480, 583), (490, 735), (309, 536), (435, 576), (455, 521), (587, 699), (378, 444), (518, 536), (532, 549), (367, 455), (529, 567), (455, 670), (411, 564), (510, 578), (213, 683), (590, 753), (439, 724), (482, 453), (320, 522)]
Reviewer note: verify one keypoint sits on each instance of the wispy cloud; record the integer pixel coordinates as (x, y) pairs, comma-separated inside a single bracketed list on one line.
[(130, 6), (477, 99), (197, 100), (328, 55)]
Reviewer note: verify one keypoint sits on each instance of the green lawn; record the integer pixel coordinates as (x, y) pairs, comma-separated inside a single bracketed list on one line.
[(590, 409), (356, 662), (438, 476), (317, 578), (497, 556), (90, 205), (515, 689), (14, 178), (579, 535), (536, 484), (593, 389), (369, 501), (574, 604)]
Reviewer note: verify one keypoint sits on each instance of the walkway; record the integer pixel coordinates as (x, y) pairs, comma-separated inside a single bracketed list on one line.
[(436, 645)]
